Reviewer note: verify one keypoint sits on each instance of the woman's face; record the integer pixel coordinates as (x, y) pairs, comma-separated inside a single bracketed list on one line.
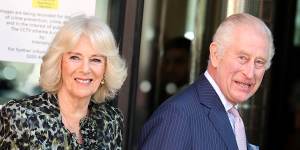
[(82, 70)]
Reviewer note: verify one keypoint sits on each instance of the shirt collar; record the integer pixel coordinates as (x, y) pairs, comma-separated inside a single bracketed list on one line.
[(227, 105)]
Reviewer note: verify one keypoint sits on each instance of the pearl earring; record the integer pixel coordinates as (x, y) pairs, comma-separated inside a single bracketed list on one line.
[(102, 82)]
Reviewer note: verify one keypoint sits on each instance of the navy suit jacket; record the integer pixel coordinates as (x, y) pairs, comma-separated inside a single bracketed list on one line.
[(194, 119)]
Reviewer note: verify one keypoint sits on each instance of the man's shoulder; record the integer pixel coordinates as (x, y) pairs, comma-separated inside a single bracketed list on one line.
[(187, 101), (191, 95)]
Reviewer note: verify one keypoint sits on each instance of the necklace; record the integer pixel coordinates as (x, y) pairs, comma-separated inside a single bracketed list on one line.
[(71, 129)]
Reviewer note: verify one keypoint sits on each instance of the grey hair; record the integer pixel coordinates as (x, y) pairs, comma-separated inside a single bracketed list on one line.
[(101, 38), (224, 31)]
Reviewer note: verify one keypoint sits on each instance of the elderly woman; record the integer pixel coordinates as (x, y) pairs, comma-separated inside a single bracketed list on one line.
[(81, 72)]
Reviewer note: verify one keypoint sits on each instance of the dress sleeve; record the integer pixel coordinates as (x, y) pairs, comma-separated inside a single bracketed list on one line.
[(118, 130), (14, 132), (3, 124)]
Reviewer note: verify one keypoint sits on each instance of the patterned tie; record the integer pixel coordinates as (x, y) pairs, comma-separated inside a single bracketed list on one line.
[(239, 129)]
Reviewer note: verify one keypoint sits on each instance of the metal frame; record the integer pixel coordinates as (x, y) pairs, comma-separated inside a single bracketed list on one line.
[(127, 26)]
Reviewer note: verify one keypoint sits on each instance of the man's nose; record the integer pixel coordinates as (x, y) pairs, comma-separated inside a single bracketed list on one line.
[(249, 69)]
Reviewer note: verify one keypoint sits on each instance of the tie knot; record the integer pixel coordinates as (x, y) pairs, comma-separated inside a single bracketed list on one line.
[(234, 112)]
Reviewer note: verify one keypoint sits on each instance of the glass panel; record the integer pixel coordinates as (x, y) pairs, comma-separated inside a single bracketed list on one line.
[(165, 53), (102, 10), (18, 80), (297, 25)]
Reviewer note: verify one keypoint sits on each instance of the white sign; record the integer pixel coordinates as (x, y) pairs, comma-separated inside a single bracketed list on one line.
[(28, 26)]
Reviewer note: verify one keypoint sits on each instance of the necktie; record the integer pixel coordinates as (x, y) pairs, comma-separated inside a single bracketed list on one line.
[(239, 129)]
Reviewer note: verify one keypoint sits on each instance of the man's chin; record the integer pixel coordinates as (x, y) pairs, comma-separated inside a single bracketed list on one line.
[(241, 99)]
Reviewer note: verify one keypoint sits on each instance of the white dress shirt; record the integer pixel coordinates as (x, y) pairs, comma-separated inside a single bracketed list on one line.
[(227, 105)]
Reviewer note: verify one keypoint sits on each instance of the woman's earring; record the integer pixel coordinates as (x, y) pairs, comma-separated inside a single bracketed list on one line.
[(102, 82)]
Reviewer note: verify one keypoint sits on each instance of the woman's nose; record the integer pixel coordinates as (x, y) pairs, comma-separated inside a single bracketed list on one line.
[(86, 66)]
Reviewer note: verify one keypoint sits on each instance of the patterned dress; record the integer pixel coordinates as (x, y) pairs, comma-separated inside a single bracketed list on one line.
[(35, 123)]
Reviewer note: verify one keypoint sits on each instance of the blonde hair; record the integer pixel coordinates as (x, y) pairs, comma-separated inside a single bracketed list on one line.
[(101, 38), (227, 27)]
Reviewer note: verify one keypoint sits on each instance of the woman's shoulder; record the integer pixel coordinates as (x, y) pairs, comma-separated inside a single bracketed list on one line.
[(108, 109), (25, 105), (112, 107), (17, 111), (23, 101)]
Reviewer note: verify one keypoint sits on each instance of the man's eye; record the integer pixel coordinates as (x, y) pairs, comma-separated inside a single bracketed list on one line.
[(260, 63), (242, 59)]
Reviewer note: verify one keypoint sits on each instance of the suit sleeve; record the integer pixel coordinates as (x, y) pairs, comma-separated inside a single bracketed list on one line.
[(167, 129)]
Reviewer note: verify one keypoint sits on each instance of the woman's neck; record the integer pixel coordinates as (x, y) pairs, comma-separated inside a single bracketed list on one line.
[(72, 109), (69, 104)]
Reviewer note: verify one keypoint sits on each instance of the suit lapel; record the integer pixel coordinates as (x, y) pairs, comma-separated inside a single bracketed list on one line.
[(217, 113), (222, 125)]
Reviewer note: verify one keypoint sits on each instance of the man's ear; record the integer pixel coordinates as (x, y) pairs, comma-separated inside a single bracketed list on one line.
[(214, 56)]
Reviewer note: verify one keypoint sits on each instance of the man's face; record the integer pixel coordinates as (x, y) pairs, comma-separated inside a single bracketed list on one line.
[(241, 67)]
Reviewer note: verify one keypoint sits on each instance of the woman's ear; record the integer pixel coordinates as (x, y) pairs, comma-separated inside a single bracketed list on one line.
[(214, 55)]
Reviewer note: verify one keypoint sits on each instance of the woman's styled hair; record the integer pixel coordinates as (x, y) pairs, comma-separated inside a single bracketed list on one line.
[(101, 38), (227, 27)]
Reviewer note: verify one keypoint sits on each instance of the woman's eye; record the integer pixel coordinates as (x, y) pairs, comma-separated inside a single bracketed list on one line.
[(96, 60), (74, 57)]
